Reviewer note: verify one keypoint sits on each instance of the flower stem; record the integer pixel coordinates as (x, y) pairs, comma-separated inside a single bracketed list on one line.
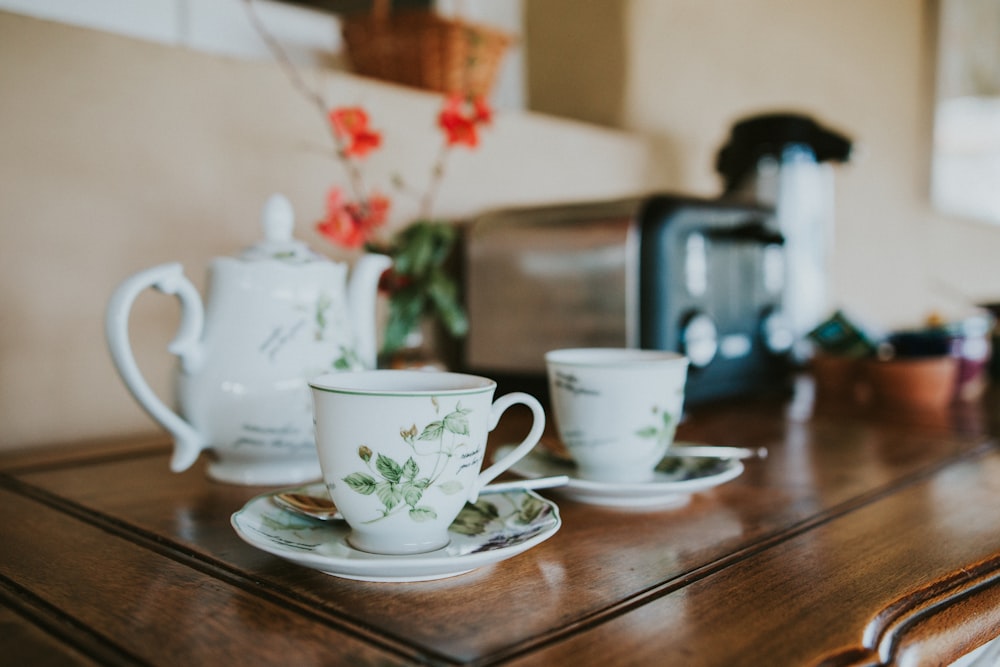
[(437, 176), (312, 95)]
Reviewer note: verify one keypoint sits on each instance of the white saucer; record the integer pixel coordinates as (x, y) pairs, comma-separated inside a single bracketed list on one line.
[(676, 478), (497, 527)]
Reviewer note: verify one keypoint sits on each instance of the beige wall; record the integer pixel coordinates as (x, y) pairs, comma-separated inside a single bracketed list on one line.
[(680, 72), (116, 155)]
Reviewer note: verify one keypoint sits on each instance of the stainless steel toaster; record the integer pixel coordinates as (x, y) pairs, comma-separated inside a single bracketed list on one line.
[(699, 276)]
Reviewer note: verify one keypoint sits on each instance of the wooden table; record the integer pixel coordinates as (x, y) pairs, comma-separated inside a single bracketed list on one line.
[(864, 538)]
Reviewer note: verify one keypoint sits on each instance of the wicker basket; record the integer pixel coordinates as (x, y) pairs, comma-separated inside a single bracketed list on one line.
[(422, 49)]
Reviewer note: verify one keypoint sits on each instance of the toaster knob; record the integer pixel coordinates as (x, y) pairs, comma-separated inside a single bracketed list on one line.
[(700, 339), (776, 332)]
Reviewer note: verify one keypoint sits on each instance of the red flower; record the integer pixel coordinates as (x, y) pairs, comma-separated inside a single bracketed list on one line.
[(351, 124), (459, 119), (483, 114), (351, 224)]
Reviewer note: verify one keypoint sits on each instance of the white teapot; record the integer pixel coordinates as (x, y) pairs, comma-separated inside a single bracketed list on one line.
[(276, 316)]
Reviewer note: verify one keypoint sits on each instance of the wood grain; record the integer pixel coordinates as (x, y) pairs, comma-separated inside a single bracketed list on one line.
[(863, 537)]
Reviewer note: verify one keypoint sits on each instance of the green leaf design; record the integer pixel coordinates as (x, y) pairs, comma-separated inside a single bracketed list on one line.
[(412, 494), (389, 469), (662, 433), (423, 514), (389, 494), (348, 360), (410, 469), (432, 431), (531, 508), (474, 518), (450, 487), (323, 304), (362, 483), (399, 486), (457, 422)]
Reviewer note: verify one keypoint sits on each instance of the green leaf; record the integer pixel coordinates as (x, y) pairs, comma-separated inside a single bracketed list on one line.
[(456, 422), (432, 431), (443, 294), (648, 432), (420, 253), (361, 482), (450, 487), (425, 244), (406, 309), (423, 514), (388, 468), (389, 494), (412, 494)]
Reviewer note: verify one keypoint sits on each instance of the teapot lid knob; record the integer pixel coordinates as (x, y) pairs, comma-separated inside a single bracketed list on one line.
[(278, 219)]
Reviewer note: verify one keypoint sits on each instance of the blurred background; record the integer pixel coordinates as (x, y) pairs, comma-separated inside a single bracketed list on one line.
[(136, 133)]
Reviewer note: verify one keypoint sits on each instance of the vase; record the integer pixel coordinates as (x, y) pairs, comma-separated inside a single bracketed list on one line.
[(420, 350)]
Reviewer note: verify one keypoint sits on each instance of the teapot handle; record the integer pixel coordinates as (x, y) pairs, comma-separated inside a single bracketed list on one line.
[(168, 279)]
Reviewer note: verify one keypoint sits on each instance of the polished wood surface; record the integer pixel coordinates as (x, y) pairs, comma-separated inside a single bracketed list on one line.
[(864, 538)]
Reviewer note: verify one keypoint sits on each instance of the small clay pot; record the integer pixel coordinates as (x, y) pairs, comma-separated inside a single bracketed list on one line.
[(918, 383), (836, 377)]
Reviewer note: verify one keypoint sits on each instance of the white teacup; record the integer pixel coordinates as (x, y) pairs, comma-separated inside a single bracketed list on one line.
[(401, 451), (616, 409)]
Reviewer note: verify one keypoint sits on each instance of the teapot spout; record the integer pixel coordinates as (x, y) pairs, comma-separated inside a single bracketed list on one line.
[(361, 292)]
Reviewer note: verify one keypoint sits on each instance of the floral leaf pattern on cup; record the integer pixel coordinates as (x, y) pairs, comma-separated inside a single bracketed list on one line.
[(401, 486), (571, 383), (662, 432)]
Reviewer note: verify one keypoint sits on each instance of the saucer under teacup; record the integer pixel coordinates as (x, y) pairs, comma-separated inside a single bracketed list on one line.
[(676, 478), (497, 527)]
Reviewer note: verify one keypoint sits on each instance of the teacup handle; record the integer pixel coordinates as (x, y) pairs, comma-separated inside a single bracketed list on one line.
[(534, 435)]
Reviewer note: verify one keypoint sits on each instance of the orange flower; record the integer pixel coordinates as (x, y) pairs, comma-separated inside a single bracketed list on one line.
[(352, 224), (459, 119), (351, 124)]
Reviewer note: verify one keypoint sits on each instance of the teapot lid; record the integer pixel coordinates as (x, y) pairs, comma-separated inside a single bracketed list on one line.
[(278, 219)]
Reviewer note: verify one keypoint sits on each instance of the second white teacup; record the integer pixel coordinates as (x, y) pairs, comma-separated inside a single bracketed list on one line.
[(616, 409), (401, 451)]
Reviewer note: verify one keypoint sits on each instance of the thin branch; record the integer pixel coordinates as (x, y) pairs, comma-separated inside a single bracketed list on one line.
[(437, 176), (312, 95)]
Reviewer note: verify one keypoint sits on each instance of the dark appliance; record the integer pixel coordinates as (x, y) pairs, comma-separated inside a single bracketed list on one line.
[(784, 161), (700, 276)]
